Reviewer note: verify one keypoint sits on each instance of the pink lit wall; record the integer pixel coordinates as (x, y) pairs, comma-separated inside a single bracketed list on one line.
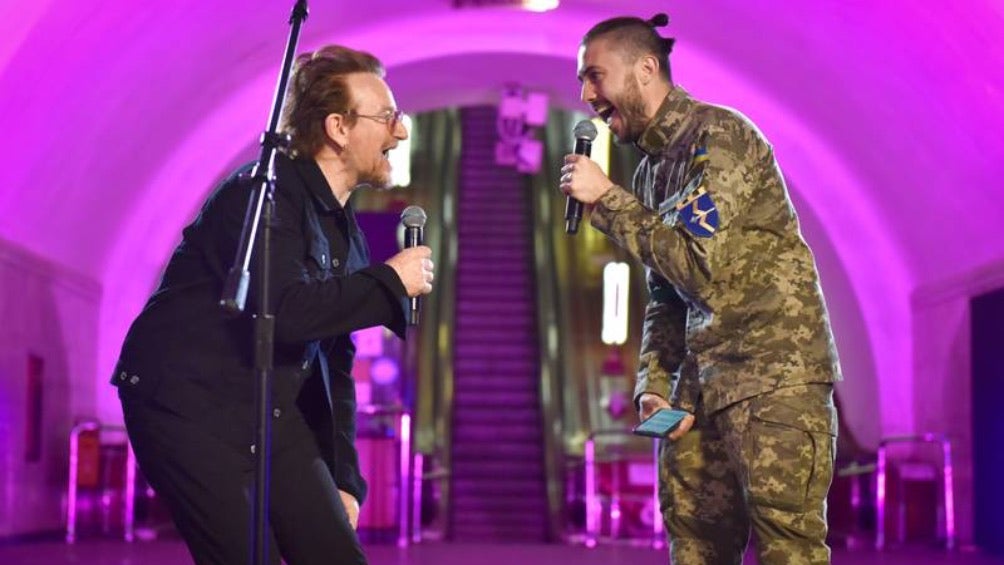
[(886, 117), (54, 314)]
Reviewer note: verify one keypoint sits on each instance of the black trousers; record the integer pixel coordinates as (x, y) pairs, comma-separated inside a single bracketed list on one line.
[(207, 484)]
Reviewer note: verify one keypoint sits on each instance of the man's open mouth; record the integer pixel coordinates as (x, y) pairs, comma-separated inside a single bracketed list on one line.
[(605, 112)]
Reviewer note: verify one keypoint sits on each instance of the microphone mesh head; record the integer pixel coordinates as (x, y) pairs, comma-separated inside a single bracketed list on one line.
[(585, 129), (413, 217)]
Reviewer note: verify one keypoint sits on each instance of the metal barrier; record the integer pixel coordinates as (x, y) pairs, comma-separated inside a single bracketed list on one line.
[(849, 503), (129, 497), (409, 481), (946, 501), (594, 506)]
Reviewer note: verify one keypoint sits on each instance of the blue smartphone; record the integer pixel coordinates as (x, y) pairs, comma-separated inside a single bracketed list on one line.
[(659, 425)]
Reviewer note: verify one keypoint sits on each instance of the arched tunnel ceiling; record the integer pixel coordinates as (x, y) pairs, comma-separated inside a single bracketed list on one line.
[(887, 116), (909, 95)]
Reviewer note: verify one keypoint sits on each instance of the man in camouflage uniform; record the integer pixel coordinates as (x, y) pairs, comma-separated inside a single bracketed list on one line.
[(736, 332)]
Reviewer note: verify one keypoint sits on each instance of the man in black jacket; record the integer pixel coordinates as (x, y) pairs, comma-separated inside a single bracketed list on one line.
[(185, 375)]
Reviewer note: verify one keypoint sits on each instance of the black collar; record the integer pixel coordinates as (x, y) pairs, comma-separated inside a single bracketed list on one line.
[(317, 185)]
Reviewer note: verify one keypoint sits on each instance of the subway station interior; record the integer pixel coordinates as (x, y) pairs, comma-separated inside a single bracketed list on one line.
[(500, 429)]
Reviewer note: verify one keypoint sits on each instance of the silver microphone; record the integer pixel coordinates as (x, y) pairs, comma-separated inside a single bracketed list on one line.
[(413, 219), (584, 132)]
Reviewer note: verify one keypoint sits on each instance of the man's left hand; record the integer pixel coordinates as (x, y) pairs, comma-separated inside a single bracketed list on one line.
[(649, 403), (351, 507), (582, 179)]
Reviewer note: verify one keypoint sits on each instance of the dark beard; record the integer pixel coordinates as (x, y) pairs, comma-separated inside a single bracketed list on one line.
[(632, 110)]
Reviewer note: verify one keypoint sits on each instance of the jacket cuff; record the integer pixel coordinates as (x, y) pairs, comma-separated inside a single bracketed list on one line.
[(351, 481), (397, 295), (613, 201)]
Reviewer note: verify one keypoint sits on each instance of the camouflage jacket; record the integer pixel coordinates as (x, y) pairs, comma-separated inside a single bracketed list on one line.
[(735, 308)]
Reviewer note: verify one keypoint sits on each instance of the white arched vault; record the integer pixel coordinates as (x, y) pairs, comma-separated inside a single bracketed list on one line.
[(538, 51)]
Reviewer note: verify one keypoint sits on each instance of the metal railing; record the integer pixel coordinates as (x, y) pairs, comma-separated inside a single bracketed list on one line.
[(129, 497), (946, 500), (409, 483), (594, 504), (409, 480)]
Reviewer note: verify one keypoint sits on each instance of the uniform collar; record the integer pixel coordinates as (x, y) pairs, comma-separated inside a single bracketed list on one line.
[(665, 126)]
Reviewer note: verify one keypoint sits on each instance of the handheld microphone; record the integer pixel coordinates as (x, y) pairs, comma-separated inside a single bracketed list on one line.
[(585, 133), (413, 219)]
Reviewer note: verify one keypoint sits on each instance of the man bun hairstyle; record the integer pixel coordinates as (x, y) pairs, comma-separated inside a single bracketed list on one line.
[(658, 20), (639, 37)]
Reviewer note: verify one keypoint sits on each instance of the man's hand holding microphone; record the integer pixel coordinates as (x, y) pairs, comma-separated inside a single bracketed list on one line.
[(414, 264), (415, 267)]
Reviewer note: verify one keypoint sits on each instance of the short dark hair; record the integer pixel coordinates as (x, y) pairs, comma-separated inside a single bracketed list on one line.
[(316, 89), (639, 38)]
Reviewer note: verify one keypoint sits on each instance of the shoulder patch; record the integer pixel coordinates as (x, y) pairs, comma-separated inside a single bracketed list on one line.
[(695, 167), (698, 213)]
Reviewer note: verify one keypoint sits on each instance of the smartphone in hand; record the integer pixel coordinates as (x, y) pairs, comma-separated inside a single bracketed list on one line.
[(659, 425)]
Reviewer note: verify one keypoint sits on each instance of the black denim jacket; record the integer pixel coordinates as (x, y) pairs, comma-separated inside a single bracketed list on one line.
[(183, 353)]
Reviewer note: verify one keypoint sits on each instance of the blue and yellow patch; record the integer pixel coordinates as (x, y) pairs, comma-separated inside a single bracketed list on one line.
[(700, 157), (698, 214)]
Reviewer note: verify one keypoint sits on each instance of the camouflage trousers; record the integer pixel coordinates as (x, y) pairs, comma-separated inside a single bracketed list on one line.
[(763, 463)]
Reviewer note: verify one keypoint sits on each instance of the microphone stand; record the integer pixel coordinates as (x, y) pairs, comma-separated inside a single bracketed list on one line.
[(261, 211)]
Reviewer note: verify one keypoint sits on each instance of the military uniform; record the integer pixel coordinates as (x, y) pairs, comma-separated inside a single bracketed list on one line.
[(735, 331)]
